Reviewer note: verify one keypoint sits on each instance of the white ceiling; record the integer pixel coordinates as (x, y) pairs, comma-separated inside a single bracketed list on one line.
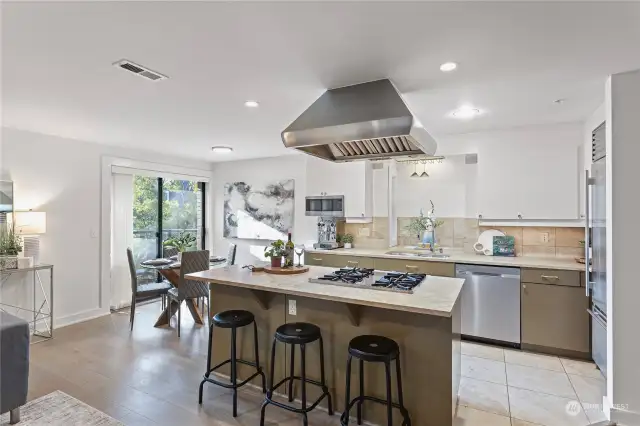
[(515, 59)]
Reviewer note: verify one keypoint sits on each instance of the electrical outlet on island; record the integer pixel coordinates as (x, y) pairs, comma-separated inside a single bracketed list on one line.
[(544, 237), (292, 307)]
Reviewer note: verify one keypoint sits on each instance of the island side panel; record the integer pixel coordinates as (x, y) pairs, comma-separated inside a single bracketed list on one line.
[(428, 346), (225, 298), (456, 356)]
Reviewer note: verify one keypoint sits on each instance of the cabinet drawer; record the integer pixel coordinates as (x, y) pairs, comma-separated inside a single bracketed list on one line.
[(338, 260), (551, 276), (352, 261), (441, 269), (314, 259), (555, 317)]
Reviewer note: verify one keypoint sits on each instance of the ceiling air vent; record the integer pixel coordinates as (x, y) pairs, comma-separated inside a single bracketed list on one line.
[(140, 70)]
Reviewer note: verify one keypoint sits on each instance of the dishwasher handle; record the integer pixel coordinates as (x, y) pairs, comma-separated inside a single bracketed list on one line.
[(488, 274)]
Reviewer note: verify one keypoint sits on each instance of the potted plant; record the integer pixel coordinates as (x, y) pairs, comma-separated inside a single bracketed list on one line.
[(182, 242), (347, 239), (275, 251), (10, 247)]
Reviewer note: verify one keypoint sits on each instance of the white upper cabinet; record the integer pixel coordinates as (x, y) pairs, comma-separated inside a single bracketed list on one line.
[(529, 176), (354, 180)]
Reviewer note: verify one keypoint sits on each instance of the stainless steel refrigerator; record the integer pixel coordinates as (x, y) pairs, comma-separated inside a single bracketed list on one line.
[(596, 239)]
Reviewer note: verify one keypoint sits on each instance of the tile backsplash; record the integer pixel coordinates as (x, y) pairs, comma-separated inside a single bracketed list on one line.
[(462, 233)]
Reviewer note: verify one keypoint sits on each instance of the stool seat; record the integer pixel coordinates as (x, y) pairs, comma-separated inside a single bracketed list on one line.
[(298, 333), (233, 319), (374, 348)]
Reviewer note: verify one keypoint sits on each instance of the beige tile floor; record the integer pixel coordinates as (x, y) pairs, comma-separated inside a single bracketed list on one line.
[(150, 377), (515, 388)]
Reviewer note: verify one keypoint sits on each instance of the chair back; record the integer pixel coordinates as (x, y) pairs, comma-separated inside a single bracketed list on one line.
[(231, 255), (193, 261), (167, 252), (132, 271)]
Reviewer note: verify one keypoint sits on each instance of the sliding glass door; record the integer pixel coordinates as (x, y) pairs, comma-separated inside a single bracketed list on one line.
[(166, 212)]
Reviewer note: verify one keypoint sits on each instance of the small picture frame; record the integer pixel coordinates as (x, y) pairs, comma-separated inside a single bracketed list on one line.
[(504, 246)]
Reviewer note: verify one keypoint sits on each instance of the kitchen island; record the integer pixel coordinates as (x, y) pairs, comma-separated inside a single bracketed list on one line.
[(426, 325)]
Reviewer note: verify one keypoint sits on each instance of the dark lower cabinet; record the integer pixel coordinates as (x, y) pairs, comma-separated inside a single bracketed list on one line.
[(555, 319)]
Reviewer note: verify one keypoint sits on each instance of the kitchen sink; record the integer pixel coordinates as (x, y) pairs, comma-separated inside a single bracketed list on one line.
[(423, 255)]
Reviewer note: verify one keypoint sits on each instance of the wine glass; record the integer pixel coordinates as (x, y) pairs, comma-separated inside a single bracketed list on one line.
[(299, 250)]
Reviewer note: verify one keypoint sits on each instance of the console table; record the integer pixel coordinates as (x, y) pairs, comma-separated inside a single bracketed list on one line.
[(41, 311)]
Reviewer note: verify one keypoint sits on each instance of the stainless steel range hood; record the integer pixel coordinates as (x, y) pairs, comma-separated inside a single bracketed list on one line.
[(362, 122)]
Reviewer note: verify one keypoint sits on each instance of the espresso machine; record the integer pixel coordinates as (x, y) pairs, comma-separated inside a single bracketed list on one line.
[(328, 230)]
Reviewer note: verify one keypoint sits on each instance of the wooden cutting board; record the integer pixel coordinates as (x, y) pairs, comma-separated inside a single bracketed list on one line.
[(285, 271)]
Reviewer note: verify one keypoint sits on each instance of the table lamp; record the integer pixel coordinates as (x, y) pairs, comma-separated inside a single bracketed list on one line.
[(29, 225)]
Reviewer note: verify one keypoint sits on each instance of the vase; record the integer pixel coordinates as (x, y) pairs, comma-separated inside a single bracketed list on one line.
[(8, 262), (276, 261), (347, 245)]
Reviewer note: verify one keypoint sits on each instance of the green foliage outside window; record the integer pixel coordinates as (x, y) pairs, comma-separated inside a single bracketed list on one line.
[(145, 204)]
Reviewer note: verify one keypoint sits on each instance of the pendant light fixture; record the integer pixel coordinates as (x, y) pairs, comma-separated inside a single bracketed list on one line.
[(415, 173), (424, 173)]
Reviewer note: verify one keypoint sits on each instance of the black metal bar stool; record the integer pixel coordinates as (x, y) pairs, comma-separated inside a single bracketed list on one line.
[(233, 320), (374, 349), (297, 333)]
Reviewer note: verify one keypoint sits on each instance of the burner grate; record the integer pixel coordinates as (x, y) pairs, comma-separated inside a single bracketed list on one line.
[(402, 282)]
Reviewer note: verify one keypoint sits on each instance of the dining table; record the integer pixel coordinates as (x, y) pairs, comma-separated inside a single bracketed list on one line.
[(170, 270)]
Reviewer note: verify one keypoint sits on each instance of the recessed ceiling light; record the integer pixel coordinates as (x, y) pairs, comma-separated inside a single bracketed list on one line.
[(222, 149), (448, 66), (465, 112), (251, 104)]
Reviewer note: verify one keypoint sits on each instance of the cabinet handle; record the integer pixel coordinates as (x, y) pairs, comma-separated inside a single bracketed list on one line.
[(519, 216), (524, 286), (410, 266), (353, 262), (317, 259), (479, 216), (550, 277)]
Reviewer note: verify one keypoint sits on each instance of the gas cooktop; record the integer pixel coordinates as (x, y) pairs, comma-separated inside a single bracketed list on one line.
[(402, 282)]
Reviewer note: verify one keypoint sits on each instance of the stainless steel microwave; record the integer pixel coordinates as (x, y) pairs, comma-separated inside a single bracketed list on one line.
[(325, 205)]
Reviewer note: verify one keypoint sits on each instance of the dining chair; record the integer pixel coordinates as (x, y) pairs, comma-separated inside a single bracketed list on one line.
[(192, 261), (144, 291)]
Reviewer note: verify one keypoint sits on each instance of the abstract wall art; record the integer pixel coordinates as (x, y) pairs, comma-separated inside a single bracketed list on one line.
[(258, 212)]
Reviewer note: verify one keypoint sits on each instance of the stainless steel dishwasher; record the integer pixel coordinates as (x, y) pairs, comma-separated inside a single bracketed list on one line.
[(490, 302)]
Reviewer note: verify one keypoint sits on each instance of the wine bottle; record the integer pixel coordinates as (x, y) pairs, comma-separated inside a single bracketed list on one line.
[(288, 257)]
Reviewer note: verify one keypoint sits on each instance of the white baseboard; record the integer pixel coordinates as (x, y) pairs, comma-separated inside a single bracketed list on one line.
[(80, 317), (625, 417)]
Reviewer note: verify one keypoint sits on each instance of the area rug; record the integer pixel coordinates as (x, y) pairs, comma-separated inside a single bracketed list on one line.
[(60, 409)]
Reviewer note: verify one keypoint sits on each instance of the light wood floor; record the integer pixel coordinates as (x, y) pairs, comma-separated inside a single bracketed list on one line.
[(145, 377), (150, 377)]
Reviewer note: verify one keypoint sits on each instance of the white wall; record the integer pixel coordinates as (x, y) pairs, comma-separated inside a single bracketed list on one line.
[(623, 291), (62, 177), (260, 171), (450, 186)]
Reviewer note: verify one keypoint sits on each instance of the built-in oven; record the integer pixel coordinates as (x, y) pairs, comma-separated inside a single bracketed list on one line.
[(325, 205)]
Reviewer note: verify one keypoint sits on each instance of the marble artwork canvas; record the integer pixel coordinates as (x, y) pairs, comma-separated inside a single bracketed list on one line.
[(258, 212)]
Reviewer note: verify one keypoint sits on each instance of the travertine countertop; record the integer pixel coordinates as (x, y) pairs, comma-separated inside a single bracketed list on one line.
[(435, 296), (565, 263)]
